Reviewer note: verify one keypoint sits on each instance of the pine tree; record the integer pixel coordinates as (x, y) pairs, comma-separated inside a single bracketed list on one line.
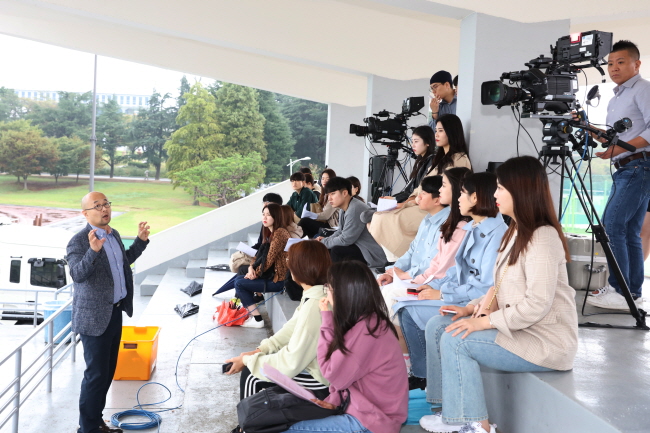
[(240, 120), (277, 135), (308, 122)]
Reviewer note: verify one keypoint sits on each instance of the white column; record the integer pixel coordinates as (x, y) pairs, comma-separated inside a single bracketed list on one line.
[(490, 46), (344, 153)]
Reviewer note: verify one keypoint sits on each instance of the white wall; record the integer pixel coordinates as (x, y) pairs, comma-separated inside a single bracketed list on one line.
[(344, 151)]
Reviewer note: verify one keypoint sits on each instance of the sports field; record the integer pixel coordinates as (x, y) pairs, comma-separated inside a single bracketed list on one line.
[(155, 202)]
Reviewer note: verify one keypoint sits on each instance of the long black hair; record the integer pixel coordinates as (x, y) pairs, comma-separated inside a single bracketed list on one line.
[(454, 129), (356, 297), (428, 137), (455, 178)]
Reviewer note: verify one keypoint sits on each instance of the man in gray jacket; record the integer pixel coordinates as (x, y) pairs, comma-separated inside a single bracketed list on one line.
[(351, 241), (103, 288)]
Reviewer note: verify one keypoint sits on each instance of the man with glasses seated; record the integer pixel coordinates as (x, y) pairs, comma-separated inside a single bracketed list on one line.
[(103, 288)]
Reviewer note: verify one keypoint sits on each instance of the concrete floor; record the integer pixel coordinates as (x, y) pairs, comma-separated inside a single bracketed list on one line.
[(610, 378)]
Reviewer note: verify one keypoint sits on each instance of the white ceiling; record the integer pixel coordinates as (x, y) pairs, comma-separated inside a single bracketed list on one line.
[(322, 50)]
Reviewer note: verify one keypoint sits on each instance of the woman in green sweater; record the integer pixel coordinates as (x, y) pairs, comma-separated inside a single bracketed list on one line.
[(292, 350)]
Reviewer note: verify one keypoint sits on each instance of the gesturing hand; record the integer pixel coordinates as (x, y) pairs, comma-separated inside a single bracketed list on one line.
[(143, 231), (323, 304), (95, 244)]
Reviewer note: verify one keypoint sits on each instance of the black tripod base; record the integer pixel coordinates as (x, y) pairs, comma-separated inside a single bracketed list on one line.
[(640, 324)]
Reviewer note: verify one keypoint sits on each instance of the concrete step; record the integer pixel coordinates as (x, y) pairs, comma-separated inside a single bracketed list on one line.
[(150, 284), (213, 280), (232, 248), (252, 238), (169, 294), (194, 268)]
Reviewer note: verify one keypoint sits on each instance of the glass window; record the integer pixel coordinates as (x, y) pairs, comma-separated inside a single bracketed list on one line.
[(14, 271), (121, 100), (128, 100), (45, 273)]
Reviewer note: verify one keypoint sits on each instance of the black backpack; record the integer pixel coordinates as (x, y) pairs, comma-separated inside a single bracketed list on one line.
[(275, 409)]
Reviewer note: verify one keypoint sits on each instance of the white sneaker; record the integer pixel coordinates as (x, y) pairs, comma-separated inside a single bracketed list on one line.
[(607, 297), (475, 427), (252, 323), (435, 424)]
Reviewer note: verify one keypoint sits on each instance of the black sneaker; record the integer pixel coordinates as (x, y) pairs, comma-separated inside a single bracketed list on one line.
[(417, 383), (236, 430), (257, 298)]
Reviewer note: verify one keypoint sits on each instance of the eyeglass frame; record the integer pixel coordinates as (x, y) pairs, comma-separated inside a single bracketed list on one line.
[(99, 206)]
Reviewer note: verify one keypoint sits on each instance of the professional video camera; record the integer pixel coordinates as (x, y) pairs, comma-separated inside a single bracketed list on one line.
[(554, 89), (392, 129), (391, 132)]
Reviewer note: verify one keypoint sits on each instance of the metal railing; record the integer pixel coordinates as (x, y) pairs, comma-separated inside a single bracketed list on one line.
[(27, 379), (35, 306)]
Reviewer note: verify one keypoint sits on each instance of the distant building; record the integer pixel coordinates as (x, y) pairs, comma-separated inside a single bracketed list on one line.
[(129, 104)]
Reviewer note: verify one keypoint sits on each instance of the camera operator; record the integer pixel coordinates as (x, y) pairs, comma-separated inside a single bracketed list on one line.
[(443, 96), (628, 199)]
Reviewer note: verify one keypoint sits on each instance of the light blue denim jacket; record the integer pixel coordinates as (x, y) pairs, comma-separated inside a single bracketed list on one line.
[(425, 245), (472, 276)]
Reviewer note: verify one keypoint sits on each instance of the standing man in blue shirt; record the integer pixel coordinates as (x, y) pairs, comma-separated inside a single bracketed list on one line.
[(628, 200), (103, 288), (443, 96)]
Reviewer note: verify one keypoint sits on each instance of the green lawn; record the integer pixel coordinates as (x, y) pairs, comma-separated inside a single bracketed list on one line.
[(157, 203)]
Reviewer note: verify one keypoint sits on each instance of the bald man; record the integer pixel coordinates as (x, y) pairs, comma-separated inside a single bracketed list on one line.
[(103, 288)]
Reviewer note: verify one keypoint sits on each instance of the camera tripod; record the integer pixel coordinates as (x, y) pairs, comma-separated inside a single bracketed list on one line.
[(562, 155), (384, 184)]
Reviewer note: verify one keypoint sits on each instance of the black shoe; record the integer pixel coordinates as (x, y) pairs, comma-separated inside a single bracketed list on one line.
[(257, 298), (236, 430), (417, 383), (108, 429)]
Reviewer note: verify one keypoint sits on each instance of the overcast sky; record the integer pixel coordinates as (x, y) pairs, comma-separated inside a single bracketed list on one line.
[(36, 66)]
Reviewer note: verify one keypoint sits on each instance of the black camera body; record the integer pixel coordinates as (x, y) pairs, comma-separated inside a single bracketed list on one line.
[(382, 128), (549, 85)]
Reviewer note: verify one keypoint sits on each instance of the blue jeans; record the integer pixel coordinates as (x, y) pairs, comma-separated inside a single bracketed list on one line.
[(332, 424), (244, 289), (623, 218), (415, 342), (454, 372)]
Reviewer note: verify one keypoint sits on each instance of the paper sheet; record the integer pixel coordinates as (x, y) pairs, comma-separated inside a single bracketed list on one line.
[(372, 205), (405, 284), (287, 383), (292, 241), (386, 204), (246, 249), (308, 214), (405, 298)]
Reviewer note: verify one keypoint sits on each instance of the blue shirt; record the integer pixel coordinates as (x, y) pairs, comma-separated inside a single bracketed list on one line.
[(631, 99), (425, 245), (471, 277), (443, 108), (116, 261)]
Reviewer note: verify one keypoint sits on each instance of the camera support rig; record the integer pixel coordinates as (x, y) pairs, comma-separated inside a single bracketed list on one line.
[(384, 186), (557, 153)]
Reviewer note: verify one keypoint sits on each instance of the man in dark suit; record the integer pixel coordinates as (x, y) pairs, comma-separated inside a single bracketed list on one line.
[(103, 288)]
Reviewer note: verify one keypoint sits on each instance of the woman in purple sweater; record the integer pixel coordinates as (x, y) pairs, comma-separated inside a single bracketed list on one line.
[(358, 351)]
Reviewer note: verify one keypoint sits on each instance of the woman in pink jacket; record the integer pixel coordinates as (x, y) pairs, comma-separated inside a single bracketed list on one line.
[(358, 351)]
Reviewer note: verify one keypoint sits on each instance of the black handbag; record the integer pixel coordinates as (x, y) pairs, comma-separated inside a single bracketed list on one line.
[(275, 409), (292, 289)]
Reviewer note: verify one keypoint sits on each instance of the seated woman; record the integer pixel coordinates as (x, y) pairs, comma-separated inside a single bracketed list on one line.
[(268, 271), (470, 277), (358, 351), (309, 183), (395, 229), (530, 321), (292, 350), (356, 187), (328, 216), (292, 227)]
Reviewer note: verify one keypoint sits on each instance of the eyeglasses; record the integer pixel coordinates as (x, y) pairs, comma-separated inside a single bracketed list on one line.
[(99, 207), (326, 288)]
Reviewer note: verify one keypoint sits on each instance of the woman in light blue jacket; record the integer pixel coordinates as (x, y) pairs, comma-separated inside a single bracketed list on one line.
[(472, 275)]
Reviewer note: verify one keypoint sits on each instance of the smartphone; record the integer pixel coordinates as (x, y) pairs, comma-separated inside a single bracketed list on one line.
[(411, 291), (225, 368), (449, 311)]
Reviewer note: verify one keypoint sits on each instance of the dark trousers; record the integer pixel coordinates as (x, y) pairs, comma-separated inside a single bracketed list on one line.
[(348, 252), (310, 227), (246, 289), (100, 354)]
